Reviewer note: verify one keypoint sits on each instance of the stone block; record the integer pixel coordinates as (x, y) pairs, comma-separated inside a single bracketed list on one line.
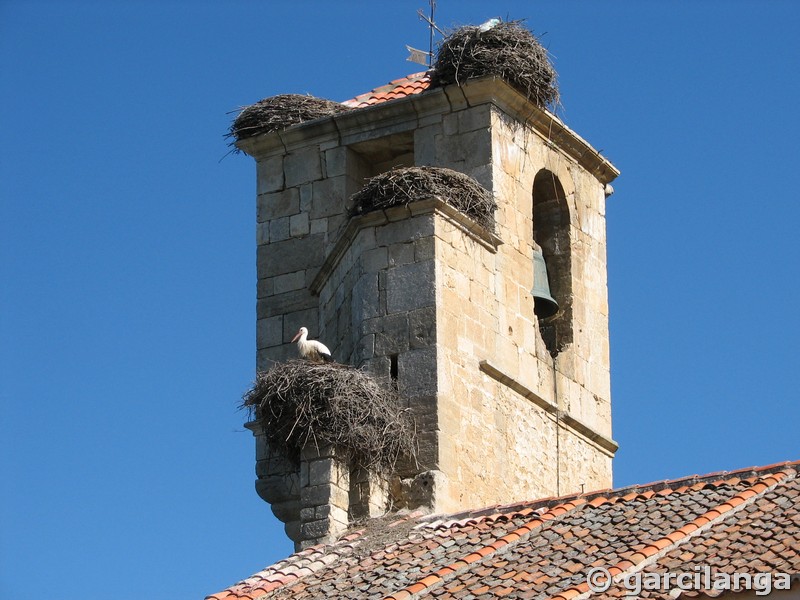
[(269, 175), (289, 282), (393, 337), (330, 196), (306, 197), (328, 471), (262, 233), (424, 249), (477, 117), (283, 304), (267, 357), (294, 254), (299, 225), (279, 229), (407, 230), (336, 162), (422, 327), (362, 303), (401, 254), (450, 124), (410, 287), (302, 166), (316, 530), (375, 259), (269, 332), (417, 372), (277, 204), (265, 287), (287, 511), (274, 489), (318, 226)]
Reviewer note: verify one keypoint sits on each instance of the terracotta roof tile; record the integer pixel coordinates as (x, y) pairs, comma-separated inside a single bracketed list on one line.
[(409, 85), (748, 520)]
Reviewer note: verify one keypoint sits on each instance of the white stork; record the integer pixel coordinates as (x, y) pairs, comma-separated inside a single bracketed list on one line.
[(312, 350), (490, 24)]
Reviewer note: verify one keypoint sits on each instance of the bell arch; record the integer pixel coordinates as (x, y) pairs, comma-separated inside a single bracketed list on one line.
[(551, 235)]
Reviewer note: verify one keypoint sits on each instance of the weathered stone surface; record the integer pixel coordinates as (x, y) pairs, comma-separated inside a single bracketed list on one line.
[(279, 229), (422, 327), (330, 197), (269, 173), (410, 287), (401, 254), (404, 231), (363, 305), (269, 332), (299, 225), (277, 204), (393, 336), (417, 370), (282, 304), (289, 282), (302, 166), (290, 255)]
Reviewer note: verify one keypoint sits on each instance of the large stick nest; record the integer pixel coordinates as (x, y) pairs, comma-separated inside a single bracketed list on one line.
[(407, 184), (507, 50), (301, 403), (279, 112)]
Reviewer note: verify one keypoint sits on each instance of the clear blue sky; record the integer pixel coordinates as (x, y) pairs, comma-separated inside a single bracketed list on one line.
[(127, 246)]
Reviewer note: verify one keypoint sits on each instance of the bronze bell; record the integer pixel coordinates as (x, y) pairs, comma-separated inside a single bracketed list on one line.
[(544, 305)]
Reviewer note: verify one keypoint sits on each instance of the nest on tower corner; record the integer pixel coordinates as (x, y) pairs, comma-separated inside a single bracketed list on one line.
[(403, 185), (508, 50), (279, 112), (301, 403)]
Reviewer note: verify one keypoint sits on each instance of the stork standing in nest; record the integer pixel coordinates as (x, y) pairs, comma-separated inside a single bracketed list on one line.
[(312, 350)]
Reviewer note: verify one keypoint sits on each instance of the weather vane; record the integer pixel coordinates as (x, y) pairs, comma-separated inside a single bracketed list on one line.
[(420, 56)]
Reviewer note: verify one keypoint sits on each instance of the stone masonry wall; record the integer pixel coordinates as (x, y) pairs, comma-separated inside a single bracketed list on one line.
[(422, 296)]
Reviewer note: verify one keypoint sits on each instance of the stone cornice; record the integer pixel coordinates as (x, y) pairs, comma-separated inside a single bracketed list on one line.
[(405, 114), (606, 444), (397, 213)]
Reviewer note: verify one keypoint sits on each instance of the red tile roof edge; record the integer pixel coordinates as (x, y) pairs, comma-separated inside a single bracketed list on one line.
[(608, 494), (312, 559), (412, 84)]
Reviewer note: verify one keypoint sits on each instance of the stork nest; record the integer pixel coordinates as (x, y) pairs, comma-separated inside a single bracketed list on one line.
[(279, 112), (507, 50), (407, 184), (301, 403)]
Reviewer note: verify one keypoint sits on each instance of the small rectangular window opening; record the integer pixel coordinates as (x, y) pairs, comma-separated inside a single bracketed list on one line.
[(393, 369)]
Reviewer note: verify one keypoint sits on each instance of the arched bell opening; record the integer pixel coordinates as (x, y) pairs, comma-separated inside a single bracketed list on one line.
[(552, 264)]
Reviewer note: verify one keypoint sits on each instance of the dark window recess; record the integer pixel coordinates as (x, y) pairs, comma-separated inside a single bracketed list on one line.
[(393, 369)]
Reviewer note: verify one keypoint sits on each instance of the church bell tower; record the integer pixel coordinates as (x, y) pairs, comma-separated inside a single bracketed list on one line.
[(496, 337)]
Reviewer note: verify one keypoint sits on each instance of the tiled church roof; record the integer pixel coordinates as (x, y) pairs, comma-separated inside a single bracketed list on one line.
[(744, 521), (399, 88)]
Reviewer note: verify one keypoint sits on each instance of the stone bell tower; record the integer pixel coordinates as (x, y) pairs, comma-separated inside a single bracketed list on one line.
[(509, 406)]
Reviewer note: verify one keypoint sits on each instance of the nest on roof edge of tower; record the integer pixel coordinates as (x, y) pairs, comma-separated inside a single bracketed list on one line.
[(507, 50), (406, 184), (279, 112), (301, 403)]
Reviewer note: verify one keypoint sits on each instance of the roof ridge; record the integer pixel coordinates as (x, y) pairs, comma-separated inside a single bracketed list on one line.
[(654, 550), (505, 542)]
